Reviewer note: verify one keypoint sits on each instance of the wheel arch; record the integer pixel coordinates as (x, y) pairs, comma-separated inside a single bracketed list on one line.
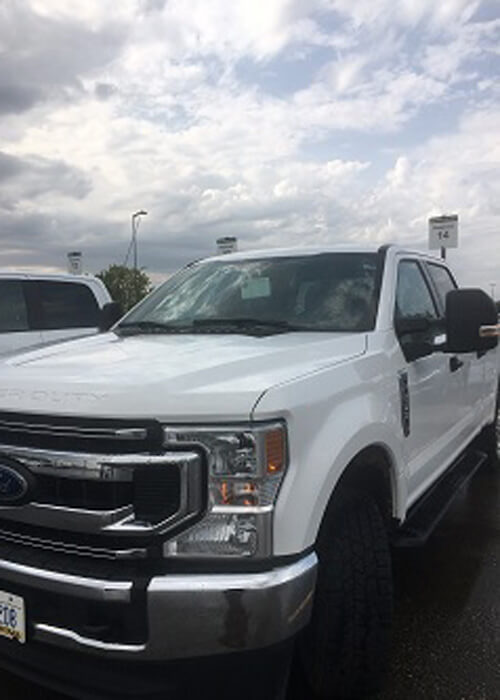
[(372, 472)]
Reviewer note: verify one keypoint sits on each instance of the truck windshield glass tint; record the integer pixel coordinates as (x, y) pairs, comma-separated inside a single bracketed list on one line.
[(331, 292)]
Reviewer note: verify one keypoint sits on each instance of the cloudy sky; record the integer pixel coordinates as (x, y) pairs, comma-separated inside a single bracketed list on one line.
[(283, 122)]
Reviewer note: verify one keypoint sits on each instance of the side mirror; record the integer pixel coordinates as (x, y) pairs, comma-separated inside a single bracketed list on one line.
[(110, 314), (466, 311)]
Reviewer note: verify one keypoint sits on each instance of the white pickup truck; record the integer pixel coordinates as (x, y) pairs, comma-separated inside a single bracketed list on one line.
[(218, 479)]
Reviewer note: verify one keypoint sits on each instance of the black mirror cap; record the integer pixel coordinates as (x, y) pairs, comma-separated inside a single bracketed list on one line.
[(466, 311), (110, 314)]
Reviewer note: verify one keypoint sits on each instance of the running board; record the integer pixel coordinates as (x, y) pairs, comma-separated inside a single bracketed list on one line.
[(430, 508)]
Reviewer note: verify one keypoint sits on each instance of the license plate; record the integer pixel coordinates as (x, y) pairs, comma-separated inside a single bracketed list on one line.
[(12, 617)]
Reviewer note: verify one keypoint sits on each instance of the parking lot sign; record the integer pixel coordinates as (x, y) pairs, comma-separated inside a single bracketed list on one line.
[(443, 232)]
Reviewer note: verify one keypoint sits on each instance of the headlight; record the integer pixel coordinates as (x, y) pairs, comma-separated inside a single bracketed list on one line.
[(245, 470)]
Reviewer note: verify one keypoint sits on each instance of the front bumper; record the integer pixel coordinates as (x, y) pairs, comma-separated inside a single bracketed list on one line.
[(187, 615)]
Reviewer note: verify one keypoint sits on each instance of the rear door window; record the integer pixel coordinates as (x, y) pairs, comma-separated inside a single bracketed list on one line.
[(66, 305), (13, 309)]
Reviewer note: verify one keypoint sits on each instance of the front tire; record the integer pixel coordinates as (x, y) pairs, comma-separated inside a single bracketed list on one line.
[(344, 649)]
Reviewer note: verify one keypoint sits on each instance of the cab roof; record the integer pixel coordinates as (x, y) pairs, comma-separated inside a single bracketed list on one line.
[(55, 276), (317, 250)]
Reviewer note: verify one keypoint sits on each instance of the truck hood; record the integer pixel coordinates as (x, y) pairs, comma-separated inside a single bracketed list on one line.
[(170, 377)]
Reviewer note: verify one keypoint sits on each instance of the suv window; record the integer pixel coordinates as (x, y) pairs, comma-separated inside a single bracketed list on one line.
[(13, 311), (443, 281), (67, 305), (413, 297)]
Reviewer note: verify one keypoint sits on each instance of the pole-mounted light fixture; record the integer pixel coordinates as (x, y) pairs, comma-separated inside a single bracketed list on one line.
[(135, 222)]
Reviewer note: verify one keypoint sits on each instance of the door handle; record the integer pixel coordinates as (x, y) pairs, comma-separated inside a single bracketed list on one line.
[(455, 363)]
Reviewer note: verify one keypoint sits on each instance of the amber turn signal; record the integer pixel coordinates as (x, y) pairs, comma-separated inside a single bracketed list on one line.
[(275, 450)]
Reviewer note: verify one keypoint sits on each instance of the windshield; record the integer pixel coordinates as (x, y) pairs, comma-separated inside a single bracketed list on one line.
[(325, 292)]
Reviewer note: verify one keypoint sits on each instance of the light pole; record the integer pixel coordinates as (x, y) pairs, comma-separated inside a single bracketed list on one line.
[(135, 224)]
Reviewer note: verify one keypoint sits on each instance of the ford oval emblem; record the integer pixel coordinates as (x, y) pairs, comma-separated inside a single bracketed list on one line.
[(13, 485)]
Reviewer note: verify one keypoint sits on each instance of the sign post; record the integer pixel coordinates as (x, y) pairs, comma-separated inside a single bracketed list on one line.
[(443, 233)]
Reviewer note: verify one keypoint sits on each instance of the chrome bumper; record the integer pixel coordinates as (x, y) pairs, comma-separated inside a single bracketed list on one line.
[(189, 615)]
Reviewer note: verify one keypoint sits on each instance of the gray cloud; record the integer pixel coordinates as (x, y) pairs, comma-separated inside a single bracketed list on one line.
[(105, 90), (44, 240), (33, 176), (43, 58), (18, 98), (153, 5), (10, 166), (41, 239)]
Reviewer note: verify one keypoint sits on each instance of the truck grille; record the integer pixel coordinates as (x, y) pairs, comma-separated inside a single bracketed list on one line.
[(98, 486), (82, 493)]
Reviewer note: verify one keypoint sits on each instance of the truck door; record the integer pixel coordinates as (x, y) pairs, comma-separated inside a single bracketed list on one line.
[(434, 403), (472, 371)]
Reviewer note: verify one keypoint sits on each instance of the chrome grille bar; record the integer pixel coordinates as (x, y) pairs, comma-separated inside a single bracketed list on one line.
[(74, 519), (68, 548), (75, 465), (81, 434), (73, 431)]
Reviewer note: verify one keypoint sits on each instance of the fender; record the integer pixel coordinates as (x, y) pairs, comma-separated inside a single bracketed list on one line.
[(332, 415)]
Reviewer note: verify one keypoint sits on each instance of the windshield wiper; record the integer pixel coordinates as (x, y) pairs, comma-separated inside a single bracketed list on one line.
[(250, 325), (143, 327)]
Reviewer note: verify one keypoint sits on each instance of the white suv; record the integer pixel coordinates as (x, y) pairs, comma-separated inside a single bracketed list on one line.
[(40, 309)]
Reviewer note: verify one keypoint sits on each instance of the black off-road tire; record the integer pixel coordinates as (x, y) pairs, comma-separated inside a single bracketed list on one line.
[(343, 651)]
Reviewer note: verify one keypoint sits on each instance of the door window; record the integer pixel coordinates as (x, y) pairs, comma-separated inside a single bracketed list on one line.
[(13, 311), (413, 297), (67, 305), (414, 301), (442, 280)]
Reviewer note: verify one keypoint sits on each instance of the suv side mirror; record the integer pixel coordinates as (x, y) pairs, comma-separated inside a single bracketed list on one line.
[(466, 311), (110, 313)]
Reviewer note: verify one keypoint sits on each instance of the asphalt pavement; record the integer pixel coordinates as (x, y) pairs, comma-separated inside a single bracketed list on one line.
[(446, 643)]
